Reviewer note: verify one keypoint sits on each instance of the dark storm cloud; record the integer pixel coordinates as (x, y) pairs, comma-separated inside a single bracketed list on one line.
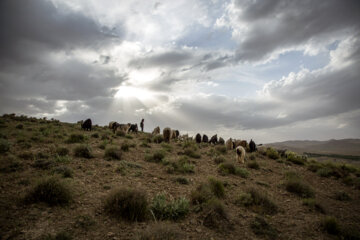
[(38, 65), (279, 24), (30, 28)]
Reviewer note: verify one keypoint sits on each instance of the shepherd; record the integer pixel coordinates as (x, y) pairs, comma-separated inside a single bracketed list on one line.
[(142, 125)]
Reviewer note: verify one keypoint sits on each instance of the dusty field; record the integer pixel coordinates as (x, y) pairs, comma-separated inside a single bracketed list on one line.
[(93, 179)]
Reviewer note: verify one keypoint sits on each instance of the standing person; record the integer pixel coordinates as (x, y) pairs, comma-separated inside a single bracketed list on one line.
[(142, 125)]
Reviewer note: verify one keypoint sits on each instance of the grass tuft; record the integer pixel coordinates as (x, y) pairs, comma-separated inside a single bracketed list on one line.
[(51, 191), (76, 138), (113, 153), (330, 225), (272, 153), (171, 210), (128, 204), (83, 151)]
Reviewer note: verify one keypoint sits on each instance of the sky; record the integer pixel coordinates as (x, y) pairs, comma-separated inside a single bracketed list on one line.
[(271, 70)]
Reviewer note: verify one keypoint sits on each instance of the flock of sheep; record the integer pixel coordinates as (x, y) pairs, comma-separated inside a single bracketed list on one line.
[(168, 134)]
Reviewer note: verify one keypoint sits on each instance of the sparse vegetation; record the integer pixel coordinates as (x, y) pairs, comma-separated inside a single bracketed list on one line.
[(253, 165), (217, 187), (219, 159), (221, 149), (313, 205), (51, 191), (294, 158), (157, 157), (62, 151), (113, 153), (76, 138), (128, 204), (171, 210), (83, 151), (295, 185), (65, 171), (158, 138), (4, 146), (330, 225), (216, 216), (229, 168), (342, 196), (272, 153), (258, 201), (182, 180), (261, 227), (183, 165)]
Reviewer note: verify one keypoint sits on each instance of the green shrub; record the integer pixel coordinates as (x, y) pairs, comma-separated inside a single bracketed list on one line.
[(128, 204), (313, 204), (258, 201), (342, 196), (157, 157), (272, 153), (330, 225), (202, 194), (120, 133), (221, 149), (191, 152), (219, 159), (314, 166), (173, 210), (299, 188), (62, 151), (253, 165), (65, 171), (51, 191), (113, 153), (4, 146), (229, 168), (76, 138), (160, 231), (182, 180), (217, 187), (27, 156), (83, 151), (260, 227), (167, 147), (216, 216), (125, 146), (62, 159), (324, 172), (158, 138), (183, 165), (43, 164), (95, 135), (294, 158)]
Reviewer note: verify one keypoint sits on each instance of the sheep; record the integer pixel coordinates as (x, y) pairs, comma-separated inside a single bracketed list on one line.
[(229, 144), (198, 138), (133, 128), (173, 134), (205, 139), (213, 139), (167, 134), (124, 127), (156, 131), (86, 125), (111, 124), (244, 144), (221, 141), (252, 146), (237, 143), (240, 154)]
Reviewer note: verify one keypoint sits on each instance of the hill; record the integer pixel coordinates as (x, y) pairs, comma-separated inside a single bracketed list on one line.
[(58, 182), (342, 146)]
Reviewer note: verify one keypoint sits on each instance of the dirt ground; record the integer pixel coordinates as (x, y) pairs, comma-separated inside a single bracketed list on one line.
[(93, 179)]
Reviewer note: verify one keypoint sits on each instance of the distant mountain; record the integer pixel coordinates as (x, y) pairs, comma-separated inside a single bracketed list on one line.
[(342, 146)]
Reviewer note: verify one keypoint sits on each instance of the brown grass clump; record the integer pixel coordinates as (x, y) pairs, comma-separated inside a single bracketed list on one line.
[(128, 204), (83, 151), (51, 191)]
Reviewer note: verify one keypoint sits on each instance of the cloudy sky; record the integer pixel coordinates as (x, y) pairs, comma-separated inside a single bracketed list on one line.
[(269, 70)]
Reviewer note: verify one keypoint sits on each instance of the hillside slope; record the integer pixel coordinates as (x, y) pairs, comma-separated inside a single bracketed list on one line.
[(258, 201)]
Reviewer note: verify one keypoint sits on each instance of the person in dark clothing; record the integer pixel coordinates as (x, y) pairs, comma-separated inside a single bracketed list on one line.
[(142, 125)]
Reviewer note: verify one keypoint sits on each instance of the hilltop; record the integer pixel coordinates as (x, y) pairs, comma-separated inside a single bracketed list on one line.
[(59, 182)]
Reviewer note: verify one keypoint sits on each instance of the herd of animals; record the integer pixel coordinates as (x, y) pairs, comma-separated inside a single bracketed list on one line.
[(169, 134)]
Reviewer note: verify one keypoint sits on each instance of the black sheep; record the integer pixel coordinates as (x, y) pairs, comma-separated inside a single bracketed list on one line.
[(205, 139), (198, 138), (221, 141), (214, 139), (133, 128), (86, 125), (252, 146)]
